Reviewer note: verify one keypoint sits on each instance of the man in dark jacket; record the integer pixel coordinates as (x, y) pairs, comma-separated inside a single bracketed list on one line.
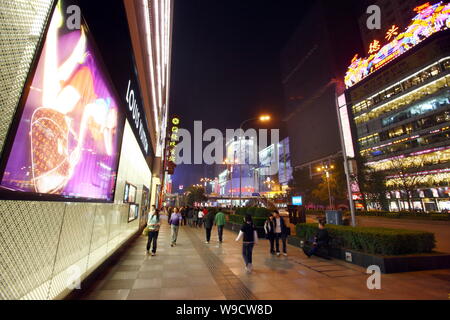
[(281, 232), (269, 228), (209, 223)]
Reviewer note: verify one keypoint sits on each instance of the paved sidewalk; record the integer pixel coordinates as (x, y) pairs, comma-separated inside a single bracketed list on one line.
[(194, 270)]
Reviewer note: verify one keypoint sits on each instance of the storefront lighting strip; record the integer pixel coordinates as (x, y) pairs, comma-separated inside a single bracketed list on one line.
[(158, 50), (151, 63)]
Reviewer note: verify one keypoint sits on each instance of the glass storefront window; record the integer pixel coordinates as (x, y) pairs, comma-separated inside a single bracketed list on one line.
[(403, 86)]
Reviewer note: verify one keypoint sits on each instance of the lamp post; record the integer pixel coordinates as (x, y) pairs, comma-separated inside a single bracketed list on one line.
[(263, 118), (326, 168), (229, 164)]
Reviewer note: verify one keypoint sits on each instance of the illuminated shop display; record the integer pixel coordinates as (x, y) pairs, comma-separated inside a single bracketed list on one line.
[(68, 123), (129, 193), (429, 20), (425, 157), (423, 178), (133, 212)]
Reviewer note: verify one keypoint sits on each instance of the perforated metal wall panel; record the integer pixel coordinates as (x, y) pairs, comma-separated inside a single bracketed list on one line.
[(21, 25), (44, 246)]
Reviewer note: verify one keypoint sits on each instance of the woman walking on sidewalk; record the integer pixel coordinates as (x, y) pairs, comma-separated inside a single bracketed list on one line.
[(153, 224), (248, 232), (269, 228), (175, 220)]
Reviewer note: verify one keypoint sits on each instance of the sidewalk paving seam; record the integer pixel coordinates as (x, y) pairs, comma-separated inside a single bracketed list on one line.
[(231, 286)]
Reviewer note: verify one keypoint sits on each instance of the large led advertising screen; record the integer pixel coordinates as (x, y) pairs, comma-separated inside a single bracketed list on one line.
[(65, 140)]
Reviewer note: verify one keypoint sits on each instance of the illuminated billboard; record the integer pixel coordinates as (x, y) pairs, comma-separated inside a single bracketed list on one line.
[(133, 212), (297, 201), (345, 127), (429, 20), (65, 139)]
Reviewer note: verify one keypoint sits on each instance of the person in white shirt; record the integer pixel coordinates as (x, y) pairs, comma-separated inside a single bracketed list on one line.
[(281, 232), (200, 217)]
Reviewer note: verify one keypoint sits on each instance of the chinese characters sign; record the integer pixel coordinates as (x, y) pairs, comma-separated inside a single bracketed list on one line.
[(428, 21)]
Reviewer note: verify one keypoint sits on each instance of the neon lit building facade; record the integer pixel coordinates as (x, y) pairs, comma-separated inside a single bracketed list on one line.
[(398, 100), (94, 87)]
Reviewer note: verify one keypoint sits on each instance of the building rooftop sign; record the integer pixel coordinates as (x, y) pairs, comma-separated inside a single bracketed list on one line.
[(429, 20)]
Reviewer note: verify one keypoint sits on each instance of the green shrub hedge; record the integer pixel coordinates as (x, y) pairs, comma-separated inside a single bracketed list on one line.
[(238, 219), (371, 240), (253, 211)]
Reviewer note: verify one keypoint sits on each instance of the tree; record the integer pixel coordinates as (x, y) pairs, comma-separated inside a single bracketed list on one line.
[(195, 194), (372, 184), (337, 183), (404, 175), (302, 184), (376, 188)]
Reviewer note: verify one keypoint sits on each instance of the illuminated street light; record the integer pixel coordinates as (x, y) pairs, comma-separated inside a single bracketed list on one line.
[(326, 168)]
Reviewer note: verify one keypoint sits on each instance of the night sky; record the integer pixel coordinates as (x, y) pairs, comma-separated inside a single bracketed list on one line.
[(226, 64)]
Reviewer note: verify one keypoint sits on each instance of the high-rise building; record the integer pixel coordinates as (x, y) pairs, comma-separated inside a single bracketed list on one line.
[(312, 63), (398, 101)]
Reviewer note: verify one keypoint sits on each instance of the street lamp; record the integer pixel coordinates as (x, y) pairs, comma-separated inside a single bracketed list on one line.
[(262, 118), (326, 168), (229, 165)]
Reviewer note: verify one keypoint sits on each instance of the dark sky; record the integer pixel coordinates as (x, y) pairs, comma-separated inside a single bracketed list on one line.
[(225, 63)]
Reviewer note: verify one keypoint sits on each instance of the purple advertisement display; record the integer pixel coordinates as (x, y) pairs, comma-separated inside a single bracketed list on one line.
[(68, 136)]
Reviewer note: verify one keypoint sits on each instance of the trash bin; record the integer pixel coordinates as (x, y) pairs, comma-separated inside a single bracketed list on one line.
[(334, 217)]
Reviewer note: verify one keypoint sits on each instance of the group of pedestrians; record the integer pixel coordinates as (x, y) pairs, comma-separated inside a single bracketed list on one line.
[(275, 230), (193, 216)]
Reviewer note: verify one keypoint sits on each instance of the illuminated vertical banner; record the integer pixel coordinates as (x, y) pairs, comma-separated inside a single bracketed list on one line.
[(171, 149), (345, 125), (65, 140)]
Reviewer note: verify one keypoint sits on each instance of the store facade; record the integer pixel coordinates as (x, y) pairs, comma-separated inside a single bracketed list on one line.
[(79, 139)]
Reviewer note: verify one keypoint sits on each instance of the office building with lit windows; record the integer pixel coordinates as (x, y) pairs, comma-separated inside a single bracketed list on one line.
[(398, 101)]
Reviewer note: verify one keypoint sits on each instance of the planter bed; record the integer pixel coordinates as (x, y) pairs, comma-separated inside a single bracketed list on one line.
[(387, 264)]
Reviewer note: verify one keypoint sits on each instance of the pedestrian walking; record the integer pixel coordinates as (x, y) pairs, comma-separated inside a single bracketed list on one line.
[(153, 225), (269, 228), (189, 216), (175, 220), (195, 217), (281, 232), (219, 221), (183, 215), (209, 223), (250, 238), (200, 217)]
